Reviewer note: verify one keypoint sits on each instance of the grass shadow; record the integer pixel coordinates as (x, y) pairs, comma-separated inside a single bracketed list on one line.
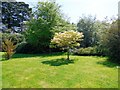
[(108, 63), (36, 55), (58, 62), (2, 59)]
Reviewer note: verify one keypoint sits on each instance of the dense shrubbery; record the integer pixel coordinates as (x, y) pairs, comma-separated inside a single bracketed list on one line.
[(47, 20), (100, 37), (86, 25), (86, 51), (113, 42), (29, 48), (10, 42), (23, 48), (15, 37)]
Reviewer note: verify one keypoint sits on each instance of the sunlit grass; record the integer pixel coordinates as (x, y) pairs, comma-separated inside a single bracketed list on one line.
[(52, 71)]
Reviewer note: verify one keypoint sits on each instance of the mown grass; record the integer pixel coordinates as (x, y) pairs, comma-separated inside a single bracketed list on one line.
[(52, 71), (1, 53)]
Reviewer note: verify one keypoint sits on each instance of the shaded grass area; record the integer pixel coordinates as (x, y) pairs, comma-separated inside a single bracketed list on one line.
[(53, 71), (31, 55), (108, 63), (58, 62), (37, 55), (0, 75)]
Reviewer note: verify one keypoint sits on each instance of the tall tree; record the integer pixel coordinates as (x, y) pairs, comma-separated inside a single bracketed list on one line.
[(102, 28), (47, 20), (13, 15), (112, 41), (86, 25)]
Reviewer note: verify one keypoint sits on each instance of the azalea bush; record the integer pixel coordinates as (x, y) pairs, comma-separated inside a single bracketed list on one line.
[(67, 40)]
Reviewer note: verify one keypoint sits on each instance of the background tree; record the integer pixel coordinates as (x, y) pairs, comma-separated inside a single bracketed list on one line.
[(67, 40), (86, 25), (13, 15), (47, 20), (102, 28), (112, 42)]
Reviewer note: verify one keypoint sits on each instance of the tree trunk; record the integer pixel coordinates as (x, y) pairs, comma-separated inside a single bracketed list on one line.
[(68, 53), (7, 56)]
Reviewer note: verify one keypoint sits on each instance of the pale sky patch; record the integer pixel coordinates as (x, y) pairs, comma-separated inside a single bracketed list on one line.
[(74, 9)]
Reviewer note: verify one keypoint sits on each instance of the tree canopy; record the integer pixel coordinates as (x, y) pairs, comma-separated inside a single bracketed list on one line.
[(112, 42), (47, 20), (14, 14), (67, 40), (86, 25)]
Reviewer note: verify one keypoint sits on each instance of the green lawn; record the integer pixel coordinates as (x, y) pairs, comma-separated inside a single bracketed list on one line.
[(52, 71)]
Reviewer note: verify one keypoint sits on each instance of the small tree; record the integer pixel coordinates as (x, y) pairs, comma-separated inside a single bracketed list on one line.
[(67, 40), (9, 48)]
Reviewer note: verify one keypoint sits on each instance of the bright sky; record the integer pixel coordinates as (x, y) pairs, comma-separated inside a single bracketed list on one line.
[(74, 9)]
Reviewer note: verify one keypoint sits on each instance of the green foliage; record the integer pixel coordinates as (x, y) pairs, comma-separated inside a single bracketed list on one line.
[(86, 51), (109, 42), (47, 20), (112, 42), (13, 15), (16, 38), (9, 48), (102, 28), (38, 33), (86, 25), (26, 48)]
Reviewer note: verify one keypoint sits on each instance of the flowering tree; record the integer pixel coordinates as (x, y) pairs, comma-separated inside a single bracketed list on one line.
[(67, 40)]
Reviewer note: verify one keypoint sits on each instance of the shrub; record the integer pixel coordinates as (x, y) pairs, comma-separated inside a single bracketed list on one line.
[(15, 38), (9, 48), (113, 42), (86, 51), (25, 48), (9, 43)]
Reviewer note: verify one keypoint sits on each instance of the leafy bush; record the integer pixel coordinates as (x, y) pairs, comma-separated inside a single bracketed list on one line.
[(25, 48), (15, 38), (86, 51), (10, 42), (113, 42), (9, 48)]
